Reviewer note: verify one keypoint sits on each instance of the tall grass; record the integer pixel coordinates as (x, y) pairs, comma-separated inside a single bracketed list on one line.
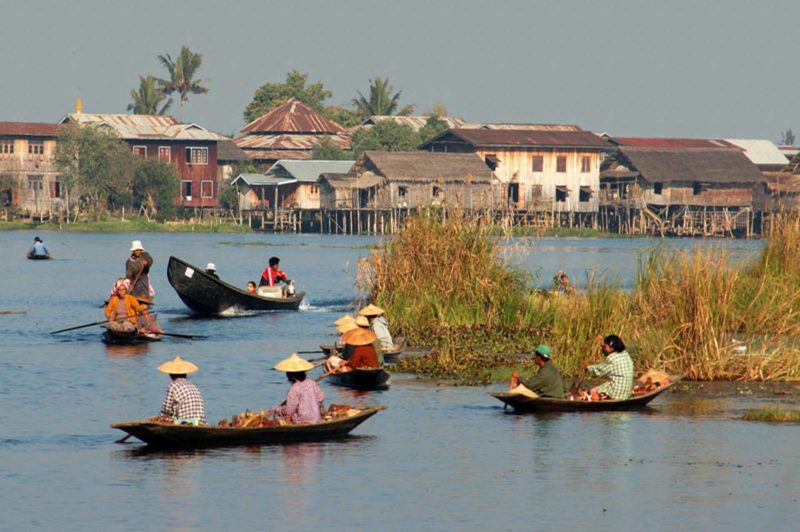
[(700, 314)]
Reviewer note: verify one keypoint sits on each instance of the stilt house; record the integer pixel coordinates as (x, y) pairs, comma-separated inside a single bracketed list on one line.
[(29, 178)]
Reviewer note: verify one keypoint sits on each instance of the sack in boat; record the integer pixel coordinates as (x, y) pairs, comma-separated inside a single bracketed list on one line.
[(270, 291), (523, 390), (653, 375)]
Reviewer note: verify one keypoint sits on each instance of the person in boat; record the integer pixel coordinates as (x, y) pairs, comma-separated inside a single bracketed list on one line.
[(122, 305), (363, 323), (251, 287), (378, 324), (38, 249), (211, 269), (183, 402), (547, 382), (272, 274), (337, 356), (137, 269), (563, 285), (360, 346), (618, 367), (304, 399)]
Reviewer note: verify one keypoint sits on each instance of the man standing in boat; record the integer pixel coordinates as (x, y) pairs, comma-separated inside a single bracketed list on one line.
[(137, 270), (272, 274), (547, 382), (183, 402)]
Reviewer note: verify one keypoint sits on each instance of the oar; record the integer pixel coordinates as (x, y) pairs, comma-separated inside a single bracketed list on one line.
[(308, 352), (324, 375), (86, 325), (123, 439), (189, 336), (577, 387)]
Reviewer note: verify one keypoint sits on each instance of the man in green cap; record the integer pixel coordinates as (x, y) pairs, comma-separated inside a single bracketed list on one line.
[(547, 382)]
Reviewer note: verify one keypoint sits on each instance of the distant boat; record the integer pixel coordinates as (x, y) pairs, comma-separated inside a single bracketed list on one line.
[(32, 256), (112, 337), (208, 295)]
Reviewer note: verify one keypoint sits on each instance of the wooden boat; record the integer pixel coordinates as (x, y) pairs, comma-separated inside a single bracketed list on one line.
[(390, 356), (33, 256), (362, 379), (520, 403), (208, 295), (112, 337), (170, 435)]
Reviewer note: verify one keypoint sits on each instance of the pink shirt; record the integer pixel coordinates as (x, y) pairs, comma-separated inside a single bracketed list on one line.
[(302, 402)]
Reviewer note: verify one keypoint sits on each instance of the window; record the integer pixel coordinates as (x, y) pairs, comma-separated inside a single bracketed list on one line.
[(35, 182), (658, 188), (586, 164), (402, 191), (513, 193), (141, 151), (538, 163), (186, 190), (561, 163), (562, 193), (697, 188), (165, 153), (585, 194), (491, 161), (314, 190), (35, 147), (197, 155), (536, 192), (6, 147), (435, 191), (206, 189), (56, 188)]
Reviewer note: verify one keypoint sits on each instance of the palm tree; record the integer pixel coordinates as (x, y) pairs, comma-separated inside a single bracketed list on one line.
[(145, 101), (181, 72), (381, 101)]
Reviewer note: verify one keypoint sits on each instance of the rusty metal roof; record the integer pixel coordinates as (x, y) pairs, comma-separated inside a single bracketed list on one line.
[(667, 143), (522, 138), (28, 129), (144, 127), (293, 117), (414, 122), (529, 127), (287, 141)]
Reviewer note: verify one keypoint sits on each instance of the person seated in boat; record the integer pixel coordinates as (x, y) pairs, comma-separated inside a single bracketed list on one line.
[(272, 274), (378, 324), (547, 381), (183, 402), (137, 270), (38, 249), (360, 347), (304, 399), (211, 269), (363, 323), (618, 367), (123, 312), (563, 285), (251, 287), (337, 356)]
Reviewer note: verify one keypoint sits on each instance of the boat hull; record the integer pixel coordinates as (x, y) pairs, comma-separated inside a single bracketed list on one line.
[(168, 435), (362, 379), (31, 256), (206, 295), (127, 338)]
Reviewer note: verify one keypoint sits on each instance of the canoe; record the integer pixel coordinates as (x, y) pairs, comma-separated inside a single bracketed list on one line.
[(32, 256), (208, 295), (128, 338), (390, 356), (520, 403), (362, 379), (170, 435)]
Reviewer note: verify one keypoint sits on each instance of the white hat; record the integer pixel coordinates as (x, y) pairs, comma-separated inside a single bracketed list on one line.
[(211, 266), (136, 244)]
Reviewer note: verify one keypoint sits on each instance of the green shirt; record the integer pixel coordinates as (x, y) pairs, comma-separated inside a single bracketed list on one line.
[(547, 382)]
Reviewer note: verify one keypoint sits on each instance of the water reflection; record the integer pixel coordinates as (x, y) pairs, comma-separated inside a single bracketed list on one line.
[(121, 350)]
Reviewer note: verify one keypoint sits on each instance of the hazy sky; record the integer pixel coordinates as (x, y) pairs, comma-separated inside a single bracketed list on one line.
[(632, 68)]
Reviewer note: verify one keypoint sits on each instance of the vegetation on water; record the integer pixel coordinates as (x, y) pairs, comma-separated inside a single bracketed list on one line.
[(773, 414), (133, 224), (445, 283)]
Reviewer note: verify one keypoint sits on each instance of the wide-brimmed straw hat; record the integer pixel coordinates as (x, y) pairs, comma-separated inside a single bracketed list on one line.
[(294, 363), (346, 326), (362, 321), (177, 366), (136, 244), (359, 337), (371, 310), (344, 319)]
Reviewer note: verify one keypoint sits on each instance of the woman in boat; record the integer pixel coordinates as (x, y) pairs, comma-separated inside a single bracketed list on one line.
[(547, 382), (361, 346), (618, 367), (304, 399), (183, 402), (137, 269), (122, 305), (378, 324), (337, 356), (251, 288), (38, 249), (363, 323)]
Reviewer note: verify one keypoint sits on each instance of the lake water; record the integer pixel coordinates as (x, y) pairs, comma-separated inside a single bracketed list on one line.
[(439, 458)]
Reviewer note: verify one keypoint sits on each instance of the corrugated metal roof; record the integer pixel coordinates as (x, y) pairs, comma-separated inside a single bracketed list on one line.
[(309, 170), (704, 165), (275, 155), (760, 151), (524, 127), (524, 138), (669, 143), (293, 117), (261, 179), (414, 122), (28, 129), (287, 141), (144, 127)]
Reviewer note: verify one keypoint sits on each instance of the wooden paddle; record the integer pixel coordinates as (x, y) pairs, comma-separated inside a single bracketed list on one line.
[(87, 325), (189, 336), (577, 388), (124, 438)]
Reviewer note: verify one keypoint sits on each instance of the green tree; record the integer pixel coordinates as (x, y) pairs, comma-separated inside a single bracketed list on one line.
[(146, 100), (7, 186), (386, 135), (272, 95), (154, 186), (96, 168), (182, 71), (381, 101), (787, 138), (432, 128), (229, 198), (327, 150), (342, 116)]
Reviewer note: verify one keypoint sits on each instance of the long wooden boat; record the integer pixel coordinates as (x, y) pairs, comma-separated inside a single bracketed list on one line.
[(112, 337), (362, 379), (208, 295), (33, 256), (170, 435), (520, 403)]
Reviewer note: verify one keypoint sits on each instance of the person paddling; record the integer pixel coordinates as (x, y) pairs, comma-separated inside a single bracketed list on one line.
[(378, 324), (183, 402), (304, 399), (360, 343), (137, 270), (123, 305), (547, 382), (618, 367), (38, 249)]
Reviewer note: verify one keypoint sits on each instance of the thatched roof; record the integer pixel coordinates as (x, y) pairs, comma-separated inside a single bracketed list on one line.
[(425, 166), (715, 165)]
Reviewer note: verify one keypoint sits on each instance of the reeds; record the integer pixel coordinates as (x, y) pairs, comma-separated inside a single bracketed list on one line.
[(773, 415)]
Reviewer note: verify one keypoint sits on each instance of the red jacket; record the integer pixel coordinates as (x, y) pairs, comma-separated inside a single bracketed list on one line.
[(270, 277), (364, 356)]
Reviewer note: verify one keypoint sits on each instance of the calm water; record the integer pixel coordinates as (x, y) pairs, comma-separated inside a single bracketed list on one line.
[(439, 458)]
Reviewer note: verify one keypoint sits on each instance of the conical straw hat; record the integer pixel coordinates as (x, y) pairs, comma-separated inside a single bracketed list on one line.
[(294, 363), (359, 337), (347, 326), (344, 319), (177, 366), (371, 310), (362, 321)]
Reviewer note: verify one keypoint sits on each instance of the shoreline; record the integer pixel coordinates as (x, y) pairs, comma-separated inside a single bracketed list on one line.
[(134, 225)]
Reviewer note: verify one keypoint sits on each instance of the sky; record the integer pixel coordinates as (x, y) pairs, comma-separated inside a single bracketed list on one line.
[(721, 69)]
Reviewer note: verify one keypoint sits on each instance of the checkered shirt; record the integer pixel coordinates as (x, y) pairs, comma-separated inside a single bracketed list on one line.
[(618, 367), (183, 401)]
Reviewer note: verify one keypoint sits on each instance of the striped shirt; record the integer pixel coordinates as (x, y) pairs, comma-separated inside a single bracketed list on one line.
[(184, 402), (618, 367)]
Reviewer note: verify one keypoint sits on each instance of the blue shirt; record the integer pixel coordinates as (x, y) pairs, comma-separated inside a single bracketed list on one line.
[(39, 249)]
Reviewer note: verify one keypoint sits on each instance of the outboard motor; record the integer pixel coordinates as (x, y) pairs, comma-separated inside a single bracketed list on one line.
[(290, 289)]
